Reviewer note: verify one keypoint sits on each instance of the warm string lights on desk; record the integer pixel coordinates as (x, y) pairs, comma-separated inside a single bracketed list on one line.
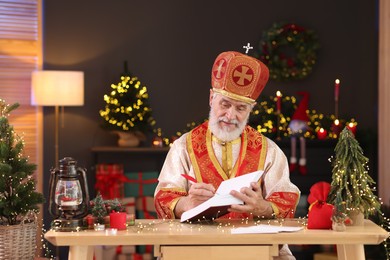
[(223, 226)]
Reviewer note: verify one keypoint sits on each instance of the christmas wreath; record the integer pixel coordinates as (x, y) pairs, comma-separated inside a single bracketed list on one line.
[(289, 50)]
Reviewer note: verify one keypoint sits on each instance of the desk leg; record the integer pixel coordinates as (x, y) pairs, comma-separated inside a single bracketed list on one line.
[(80, 253), (351, 252)]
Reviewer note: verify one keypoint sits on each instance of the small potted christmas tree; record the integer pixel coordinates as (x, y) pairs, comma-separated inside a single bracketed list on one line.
[(100, 209), (127, 110), (18, 197), (352, 187)]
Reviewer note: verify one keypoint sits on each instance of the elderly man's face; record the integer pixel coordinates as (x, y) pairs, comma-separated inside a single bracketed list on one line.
[(228, 117)]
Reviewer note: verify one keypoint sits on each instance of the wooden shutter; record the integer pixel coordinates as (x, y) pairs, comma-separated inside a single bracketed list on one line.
[(20, 54)]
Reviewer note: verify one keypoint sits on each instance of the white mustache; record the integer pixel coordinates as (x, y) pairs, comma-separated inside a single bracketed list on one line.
[(225, 120)]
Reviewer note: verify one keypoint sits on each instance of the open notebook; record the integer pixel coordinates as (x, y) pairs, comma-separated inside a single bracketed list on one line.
[(218, 205)]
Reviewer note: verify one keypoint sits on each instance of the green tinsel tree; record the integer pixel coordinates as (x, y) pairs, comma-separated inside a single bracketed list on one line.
[(17, 185), (352, 187), (127, 106)]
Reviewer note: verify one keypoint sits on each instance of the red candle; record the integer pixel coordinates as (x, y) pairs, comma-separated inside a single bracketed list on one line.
[(278, 101), (352, 127), (322, 134), (336, 128), (118, 220), (336, 89)]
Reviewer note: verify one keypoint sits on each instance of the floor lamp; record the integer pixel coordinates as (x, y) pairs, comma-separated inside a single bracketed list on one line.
[(58, 89)]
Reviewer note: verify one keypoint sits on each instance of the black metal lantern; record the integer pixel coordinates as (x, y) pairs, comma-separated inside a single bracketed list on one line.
[(69, 197)]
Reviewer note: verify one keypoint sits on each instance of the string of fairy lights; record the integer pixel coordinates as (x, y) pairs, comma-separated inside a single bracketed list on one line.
[(266, 119)]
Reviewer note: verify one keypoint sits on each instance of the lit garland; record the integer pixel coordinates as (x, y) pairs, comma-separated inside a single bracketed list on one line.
[(127, 107), (289, 51), (264, 119)]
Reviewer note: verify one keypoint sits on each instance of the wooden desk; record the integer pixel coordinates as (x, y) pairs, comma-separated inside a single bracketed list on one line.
[(174, 240)]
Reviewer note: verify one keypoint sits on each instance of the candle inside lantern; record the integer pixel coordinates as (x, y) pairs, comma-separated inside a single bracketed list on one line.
[(322, 134), (352, 127), (278, 101), (118, 220)]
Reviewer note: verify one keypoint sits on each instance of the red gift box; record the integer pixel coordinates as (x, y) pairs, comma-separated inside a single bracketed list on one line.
[(110, 180), (140, 184), (145, 207), (129, 204), (135, 256)]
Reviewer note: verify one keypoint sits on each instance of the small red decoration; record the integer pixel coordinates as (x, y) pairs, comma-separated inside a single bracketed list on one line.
[(157, 141), (118, 220), (352, 127), (322, 134), (320, 212)]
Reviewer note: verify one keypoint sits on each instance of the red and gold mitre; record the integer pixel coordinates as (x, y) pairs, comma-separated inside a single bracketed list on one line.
[(239, 76)]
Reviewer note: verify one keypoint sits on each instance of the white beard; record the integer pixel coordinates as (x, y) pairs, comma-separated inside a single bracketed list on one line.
[(222, 133)]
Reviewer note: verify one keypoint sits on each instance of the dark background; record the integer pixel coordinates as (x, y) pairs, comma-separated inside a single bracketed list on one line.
[(171, 46)]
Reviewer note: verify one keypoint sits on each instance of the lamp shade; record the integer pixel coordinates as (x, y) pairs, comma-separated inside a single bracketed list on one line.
[(57, 88)]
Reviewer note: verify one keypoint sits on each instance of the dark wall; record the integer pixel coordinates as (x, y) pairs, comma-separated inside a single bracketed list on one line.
[(171, 45)]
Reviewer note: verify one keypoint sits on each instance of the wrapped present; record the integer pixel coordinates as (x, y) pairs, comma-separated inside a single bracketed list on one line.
[(145, 208), (110, 180), (105, 252), (320, 212), (125, 250), (140, 183), (135, 256), (129, 204)]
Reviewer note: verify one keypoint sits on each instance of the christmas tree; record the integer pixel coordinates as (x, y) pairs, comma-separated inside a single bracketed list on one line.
[(17, 185), (127, 106), (352, 187)]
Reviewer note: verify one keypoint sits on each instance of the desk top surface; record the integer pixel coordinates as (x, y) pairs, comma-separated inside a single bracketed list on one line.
[(172, 232)]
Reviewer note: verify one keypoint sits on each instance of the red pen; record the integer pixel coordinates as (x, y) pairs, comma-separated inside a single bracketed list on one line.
[(190, 178)]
